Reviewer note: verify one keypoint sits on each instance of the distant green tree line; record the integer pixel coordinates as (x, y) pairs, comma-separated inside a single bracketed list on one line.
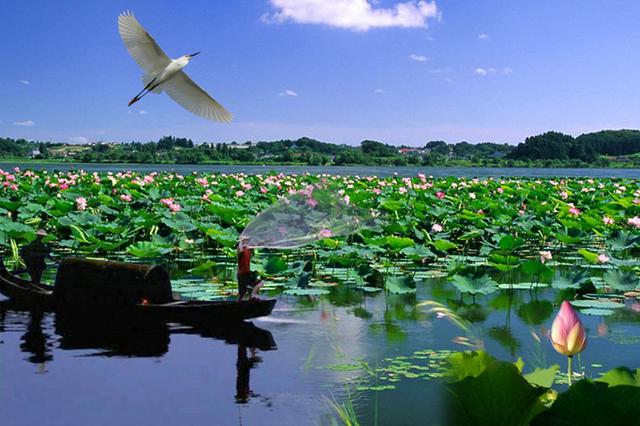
[(551, 149)]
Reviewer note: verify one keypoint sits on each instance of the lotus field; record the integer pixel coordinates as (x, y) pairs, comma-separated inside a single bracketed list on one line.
[(580, 235)]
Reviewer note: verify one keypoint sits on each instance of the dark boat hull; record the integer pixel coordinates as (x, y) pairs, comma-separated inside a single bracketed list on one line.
[(42, 297)]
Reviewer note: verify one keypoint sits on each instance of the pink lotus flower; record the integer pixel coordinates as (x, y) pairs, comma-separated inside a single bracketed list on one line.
[(172, 205), (607, 220), (500, 190), (567, 333), (574, 211), (81, 203), (402, 190), (326, 233), (239, 194), (166, 201), (126, 198), (545, 255), (634, 221), (603, 258), (440, 195), (436, 228)]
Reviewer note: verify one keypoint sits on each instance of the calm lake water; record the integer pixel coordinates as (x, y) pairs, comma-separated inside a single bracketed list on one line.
[(335, 170), (278, 370)]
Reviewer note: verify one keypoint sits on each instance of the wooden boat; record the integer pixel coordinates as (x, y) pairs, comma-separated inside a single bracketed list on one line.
[(98, 285)]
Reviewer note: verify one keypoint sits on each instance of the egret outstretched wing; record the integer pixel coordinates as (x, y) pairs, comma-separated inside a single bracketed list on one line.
[(194, 99), (141, 46)]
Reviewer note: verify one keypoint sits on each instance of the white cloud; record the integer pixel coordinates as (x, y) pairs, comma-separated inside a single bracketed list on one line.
[(26, 123), (355, 15), (417, 58), (143, 112), (78, 140), (378, 91), (288, 92), (25, 82), (483, 36), (483, 72), (507, 71)]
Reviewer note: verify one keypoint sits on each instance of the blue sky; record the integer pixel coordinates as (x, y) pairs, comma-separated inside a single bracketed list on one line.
[(402, 72)]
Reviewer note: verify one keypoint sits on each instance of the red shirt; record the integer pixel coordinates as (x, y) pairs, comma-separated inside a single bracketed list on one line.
[(244, 261)]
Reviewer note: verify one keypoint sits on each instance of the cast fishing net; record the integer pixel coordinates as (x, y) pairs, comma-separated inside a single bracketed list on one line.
[(302, 218)]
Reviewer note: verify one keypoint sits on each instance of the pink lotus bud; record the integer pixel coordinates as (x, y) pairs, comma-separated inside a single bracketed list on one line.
[(567, 333)]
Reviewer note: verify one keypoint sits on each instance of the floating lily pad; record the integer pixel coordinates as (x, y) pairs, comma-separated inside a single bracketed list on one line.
[(344, 367), (320, 284), (375, 388), (597, 304), (521, 286), (306, 292), (368, 289)]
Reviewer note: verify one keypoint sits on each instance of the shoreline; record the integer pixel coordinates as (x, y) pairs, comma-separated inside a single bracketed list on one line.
[(266, 164)]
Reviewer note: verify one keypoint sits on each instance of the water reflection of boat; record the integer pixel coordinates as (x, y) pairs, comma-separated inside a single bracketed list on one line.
[(87, 284), (130, 335)]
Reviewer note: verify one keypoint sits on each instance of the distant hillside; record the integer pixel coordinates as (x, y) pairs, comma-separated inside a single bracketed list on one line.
[(587, 147)]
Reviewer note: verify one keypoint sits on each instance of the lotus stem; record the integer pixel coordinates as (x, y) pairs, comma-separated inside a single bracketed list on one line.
[(570, 368)]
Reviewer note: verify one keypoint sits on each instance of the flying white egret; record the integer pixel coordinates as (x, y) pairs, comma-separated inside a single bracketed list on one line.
[(165, 74)]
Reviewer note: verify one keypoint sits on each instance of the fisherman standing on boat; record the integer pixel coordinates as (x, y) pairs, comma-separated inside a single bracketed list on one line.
[(246, 278), (34, 255)]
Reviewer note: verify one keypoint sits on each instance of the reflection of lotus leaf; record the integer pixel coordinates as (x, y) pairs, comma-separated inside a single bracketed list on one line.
[(535, 312), (597, 312)]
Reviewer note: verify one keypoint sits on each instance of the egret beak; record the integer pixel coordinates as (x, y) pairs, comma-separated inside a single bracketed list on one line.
[(197, 53)]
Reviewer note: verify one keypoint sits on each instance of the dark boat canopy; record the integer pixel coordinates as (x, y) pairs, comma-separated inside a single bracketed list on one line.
[(82, 281)]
